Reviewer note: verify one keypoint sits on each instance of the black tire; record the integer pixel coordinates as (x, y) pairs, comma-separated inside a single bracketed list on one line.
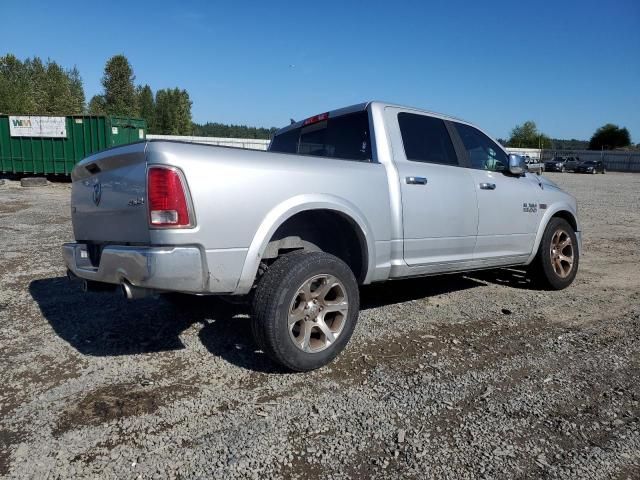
[(274, 295), (542, 267), (604, 170)]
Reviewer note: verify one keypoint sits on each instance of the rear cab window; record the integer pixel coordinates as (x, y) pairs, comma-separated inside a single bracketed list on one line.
[(344, 137)]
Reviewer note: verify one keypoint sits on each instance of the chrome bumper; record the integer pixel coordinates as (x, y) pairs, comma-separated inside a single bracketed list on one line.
[(158, 268)]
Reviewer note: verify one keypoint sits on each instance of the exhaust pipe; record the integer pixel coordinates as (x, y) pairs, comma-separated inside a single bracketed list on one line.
[(131, 292), (91, 286), (71, 276)]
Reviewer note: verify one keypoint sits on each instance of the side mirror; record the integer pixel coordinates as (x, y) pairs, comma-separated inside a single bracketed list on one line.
[(516, 164)]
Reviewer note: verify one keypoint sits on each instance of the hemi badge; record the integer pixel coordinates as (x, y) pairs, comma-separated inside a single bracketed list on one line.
[(542, 206)]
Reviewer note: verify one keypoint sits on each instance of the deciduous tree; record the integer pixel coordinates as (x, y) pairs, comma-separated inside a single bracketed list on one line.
[(528, 136), (609, 137)]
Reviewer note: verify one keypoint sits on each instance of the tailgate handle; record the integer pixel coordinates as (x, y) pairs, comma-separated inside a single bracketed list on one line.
[(93, 168), (416, 180), (487, 186)]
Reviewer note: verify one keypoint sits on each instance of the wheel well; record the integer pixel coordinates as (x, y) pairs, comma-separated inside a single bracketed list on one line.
[(568, 217), (322, 230)]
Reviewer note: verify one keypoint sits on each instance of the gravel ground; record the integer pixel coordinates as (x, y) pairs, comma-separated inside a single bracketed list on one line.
[(474, 376)]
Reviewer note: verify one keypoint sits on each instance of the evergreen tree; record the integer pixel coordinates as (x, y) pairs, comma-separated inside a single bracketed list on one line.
[(35, 87), (16, 95), (77, 98), (147, 107), (173, 112), (119, 91), (183, 112), (96, 105)]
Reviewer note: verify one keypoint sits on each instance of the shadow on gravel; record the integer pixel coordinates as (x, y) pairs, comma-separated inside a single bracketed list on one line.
[(105, 324), (511, 277), (53, 178), (398, 291)]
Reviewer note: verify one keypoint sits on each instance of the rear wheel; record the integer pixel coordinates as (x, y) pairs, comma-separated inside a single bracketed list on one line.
[(305, 309), (556, 262)]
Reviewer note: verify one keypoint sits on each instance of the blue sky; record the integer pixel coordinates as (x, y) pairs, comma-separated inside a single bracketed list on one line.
[(570, 66)]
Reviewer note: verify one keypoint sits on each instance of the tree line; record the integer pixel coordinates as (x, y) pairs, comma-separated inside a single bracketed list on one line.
[(36, 87), (607, 137), (167, 112), (210, 129)]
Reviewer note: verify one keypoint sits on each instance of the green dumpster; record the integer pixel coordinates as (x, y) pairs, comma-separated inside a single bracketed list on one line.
[(53, 145)]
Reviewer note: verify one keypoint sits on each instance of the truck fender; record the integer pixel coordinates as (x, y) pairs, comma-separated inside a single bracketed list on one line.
[(546, 218), (285, 210)]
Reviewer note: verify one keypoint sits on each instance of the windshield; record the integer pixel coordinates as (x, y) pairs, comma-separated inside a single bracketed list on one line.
[(346, 137)]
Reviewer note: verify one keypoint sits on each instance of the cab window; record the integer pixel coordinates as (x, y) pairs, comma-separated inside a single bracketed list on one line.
[(345, 137), (484, 153), (426, 139)]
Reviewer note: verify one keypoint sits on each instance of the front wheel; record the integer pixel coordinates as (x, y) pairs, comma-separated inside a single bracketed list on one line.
[(305, 309), (556, 262)]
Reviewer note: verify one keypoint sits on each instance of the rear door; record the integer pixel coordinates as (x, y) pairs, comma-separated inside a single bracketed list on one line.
[(507, 204), (439, 211)]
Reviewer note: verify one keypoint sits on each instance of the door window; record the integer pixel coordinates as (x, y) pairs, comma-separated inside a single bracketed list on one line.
[(484, 153), (426, 139)]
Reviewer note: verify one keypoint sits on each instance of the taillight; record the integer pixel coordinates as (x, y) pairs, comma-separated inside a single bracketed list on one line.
[(167, 199)]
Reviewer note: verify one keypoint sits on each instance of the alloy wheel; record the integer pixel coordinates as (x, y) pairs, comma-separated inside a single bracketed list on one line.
[(561, 253), (318, 313)]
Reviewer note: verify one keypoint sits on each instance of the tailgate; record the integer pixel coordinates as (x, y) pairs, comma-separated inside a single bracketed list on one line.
[(108, 196)]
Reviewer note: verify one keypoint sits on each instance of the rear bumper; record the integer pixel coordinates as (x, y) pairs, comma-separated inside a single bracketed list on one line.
[(159, 268)]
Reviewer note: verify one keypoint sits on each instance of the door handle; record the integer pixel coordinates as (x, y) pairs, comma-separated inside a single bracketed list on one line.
[(416, 180), (487, 186)]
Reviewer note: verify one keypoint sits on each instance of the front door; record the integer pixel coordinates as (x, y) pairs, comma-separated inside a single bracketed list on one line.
[(507, 205), (439, 209)]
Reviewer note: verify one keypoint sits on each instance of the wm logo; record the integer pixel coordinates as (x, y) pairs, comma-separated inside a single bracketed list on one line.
[(21, 123)]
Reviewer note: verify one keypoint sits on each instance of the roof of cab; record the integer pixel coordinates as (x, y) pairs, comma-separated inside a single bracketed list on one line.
[(358, 107)]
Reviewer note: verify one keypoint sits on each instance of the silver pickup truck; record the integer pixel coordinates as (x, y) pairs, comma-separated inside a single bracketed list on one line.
[(363, 194)]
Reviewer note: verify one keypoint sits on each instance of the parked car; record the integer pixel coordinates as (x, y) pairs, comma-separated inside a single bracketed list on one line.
[(364, 194), (571, 163), (533, 165), (591, 166), (557, 164)]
